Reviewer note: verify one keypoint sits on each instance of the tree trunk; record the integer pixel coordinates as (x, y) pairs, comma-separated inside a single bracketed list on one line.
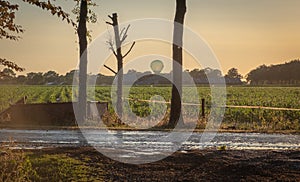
[(120, 65), (82, 35), (119, 38), (177, 69)]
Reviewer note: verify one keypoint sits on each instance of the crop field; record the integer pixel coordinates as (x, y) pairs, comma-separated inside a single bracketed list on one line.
[(237, 118)]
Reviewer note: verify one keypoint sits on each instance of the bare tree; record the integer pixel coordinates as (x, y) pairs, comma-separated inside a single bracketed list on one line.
[(120, 37), (177, 68)]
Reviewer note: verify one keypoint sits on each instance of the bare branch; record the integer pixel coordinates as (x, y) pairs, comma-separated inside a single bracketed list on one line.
[(127, 29), (110, 42), (114, 52), (110, 17), (122, 31), (109, 23), (129, 50), (111, 47), (110, 69), (124, 36)]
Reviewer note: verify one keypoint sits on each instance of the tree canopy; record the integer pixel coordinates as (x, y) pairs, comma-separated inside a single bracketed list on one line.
[(10, 30), (234, 73), (287, 73)]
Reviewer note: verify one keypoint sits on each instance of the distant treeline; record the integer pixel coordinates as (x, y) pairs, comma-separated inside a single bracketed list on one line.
[(48, 78), (284, 74), (132, 76)]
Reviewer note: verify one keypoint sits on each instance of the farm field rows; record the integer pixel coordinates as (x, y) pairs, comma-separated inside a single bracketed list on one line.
[(282, 97)]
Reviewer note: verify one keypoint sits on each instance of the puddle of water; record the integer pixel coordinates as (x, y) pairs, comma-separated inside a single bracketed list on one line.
[(144, 142)]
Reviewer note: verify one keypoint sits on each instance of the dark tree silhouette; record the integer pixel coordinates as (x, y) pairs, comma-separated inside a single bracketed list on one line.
[(82, 36), (287, 73), (10, 65), (7, 74), (51, 77), (233, 77), (177, 68), (234, 73), (35, 79)]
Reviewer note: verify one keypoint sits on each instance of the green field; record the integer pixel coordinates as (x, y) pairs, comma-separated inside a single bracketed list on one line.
[(239, 118)]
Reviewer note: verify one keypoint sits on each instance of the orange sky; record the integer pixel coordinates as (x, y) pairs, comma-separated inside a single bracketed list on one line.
[(242, 33)]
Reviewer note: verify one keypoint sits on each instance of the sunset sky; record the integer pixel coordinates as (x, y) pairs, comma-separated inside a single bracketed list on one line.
[(242, 33)]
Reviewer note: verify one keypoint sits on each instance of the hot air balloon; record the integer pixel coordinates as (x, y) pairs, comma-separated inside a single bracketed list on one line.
[(157, 66)]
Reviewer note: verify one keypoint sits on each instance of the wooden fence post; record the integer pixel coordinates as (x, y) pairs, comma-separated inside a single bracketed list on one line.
[(203, 107)]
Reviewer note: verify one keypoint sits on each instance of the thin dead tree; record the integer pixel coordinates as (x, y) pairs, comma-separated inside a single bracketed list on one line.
[(116, 48), (176, 106)]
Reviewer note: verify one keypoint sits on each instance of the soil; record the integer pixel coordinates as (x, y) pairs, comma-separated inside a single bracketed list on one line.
[(197, 165)]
